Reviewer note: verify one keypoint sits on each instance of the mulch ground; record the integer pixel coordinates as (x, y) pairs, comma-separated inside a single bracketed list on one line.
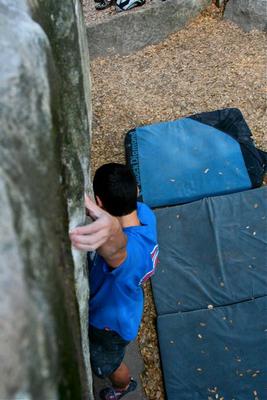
[(209, 64)]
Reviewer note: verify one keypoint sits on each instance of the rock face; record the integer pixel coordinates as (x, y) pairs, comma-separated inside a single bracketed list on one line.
[(248, 14), (44, 151), (128, 32)]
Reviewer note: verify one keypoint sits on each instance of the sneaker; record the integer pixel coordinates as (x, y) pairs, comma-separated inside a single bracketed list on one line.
[(124, 5), (102, 4), (116, 394)]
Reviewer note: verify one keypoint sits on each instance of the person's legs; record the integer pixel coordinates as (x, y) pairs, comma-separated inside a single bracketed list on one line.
[(107, 351), (121, 377), (122, 384)]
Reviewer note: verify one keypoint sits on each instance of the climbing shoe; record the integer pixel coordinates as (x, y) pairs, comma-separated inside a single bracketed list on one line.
[(116, 394)]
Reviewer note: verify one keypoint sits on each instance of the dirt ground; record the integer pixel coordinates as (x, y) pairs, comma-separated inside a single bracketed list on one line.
[(209, 64)]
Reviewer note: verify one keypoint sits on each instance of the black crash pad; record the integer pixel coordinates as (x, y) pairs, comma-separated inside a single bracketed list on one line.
[(212, 252)]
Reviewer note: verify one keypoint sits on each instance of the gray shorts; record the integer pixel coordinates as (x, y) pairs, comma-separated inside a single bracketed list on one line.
[(107, 350)]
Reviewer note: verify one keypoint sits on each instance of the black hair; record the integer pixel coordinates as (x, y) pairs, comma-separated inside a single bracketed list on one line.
[(116, 187)]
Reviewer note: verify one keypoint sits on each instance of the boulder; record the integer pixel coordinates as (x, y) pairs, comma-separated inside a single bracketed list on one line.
[(63, 23), (248, 14), (44, 151)]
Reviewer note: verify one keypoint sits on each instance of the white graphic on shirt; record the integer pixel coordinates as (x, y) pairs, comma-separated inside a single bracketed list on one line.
[(154, 255)]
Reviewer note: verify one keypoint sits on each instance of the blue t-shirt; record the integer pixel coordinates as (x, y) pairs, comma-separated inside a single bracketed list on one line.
[(116, 295)]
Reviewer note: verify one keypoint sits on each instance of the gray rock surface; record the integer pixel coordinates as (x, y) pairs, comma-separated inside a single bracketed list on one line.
[(63, 23), (128, 32), (44, 153), (248, 14)]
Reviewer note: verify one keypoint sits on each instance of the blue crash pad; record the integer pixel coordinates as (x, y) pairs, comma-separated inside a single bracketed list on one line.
[(185, 160), (212, 251), (210, 292), (215, 354), (210, 287)]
